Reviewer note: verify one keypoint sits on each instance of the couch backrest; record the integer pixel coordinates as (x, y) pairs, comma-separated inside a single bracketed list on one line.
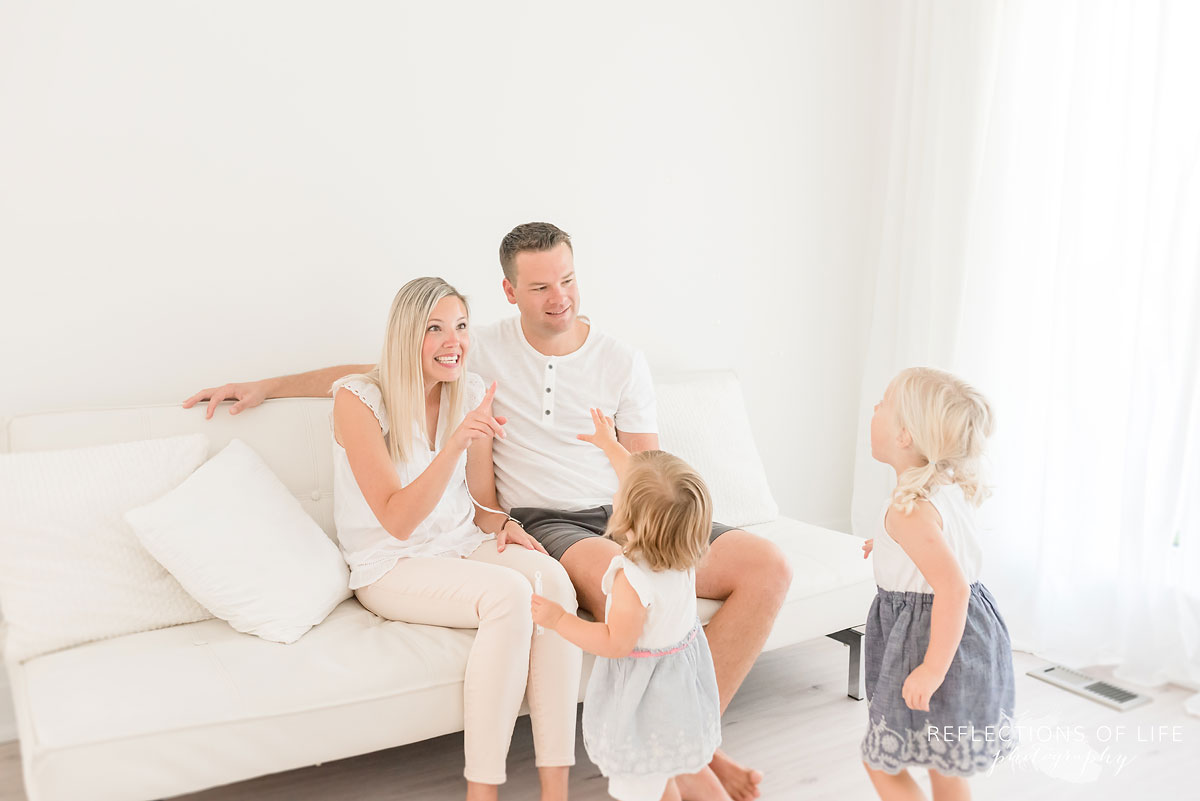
[(291, 434), (702, 418)]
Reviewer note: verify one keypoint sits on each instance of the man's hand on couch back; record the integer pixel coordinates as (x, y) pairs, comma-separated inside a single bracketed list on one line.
[(313, 384)]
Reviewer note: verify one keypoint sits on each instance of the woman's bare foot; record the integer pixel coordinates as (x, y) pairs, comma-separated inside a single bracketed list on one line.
[(741, 783), (702, 786)]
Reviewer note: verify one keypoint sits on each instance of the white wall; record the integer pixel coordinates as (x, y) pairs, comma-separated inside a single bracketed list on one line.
[(198, 192)]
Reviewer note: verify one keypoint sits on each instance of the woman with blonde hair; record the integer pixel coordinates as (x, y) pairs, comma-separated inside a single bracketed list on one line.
[(939, 674), (412, 453)]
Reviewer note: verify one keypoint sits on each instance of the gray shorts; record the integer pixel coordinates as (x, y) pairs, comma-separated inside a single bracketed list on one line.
[(557, 530)]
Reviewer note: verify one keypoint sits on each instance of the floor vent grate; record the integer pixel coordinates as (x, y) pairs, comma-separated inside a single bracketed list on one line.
[(1082, 684)]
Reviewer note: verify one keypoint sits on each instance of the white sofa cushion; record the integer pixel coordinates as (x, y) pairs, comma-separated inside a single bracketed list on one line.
[(702, 420), (832, 585), (189, 707), (71, 570), (292, 435), (239, 542)]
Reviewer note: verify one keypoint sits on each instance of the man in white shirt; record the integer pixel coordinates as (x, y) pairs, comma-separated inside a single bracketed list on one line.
[(552, 366)]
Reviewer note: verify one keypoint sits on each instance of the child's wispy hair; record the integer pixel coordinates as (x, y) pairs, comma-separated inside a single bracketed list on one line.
[(662, 514)]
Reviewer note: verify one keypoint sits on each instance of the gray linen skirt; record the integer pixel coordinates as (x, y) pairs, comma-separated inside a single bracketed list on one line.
[(655, 712), (968, 727)]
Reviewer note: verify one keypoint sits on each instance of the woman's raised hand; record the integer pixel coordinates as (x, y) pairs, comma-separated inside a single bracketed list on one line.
[(479, 423), (605, 433)]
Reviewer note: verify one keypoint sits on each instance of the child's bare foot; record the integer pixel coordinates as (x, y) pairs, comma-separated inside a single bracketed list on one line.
[(741, 783), (702, 786)]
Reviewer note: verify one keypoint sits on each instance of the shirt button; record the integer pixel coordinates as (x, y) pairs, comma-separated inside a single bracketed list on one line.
[(549, 366), (316, 495), (547, 389), (547, 411)]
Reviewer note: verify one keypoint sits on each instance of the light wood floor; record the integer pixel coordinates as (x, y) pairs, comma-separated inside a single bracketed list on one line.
[(793, 721)]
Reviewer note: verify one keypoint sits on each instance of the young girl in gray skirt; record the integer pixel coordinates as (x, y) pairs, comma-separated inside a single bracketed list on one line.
[(939, 674), (652, 711)]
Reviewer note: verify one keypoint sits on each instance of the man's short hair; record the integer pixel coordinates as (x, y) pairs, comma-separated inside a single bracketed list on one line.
[(535, 237)]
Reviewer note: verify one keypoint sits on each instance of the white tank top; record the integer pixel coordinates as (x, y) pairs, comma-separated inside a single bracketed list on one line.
[(448, 531), (895, 571), (668, 595)]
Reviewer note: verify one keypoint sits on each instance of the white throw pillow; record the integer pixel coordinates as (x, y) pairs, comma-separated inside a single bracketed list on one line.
[(702, 420), (71, 570), (238, 540)]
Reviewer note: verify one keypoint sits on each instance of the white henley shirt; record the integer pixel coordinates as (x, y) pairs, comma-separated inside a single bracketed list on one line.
[(546, 400)]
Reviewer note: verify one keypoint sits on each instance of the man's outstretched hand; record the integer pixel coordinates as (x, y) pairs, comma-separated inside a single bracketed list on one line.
[(248, 396)]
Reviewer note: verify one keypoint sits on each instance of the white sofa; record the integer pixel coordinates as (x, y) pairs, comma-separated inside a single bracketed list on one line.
[(180, 709)]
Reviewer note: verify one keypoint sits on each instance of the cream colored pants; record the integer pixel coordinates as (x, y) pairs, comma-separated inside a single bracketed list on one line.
[(489, 591)]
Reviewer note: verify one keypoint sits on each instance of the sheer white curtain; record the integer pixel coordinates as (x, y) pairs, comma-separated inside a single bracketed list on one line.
[(1042, 239)]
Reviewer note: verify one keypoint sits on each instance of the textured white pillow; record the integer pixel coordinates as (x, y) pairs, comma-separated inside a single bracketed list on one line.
[(71, 571), (241, 544), (702, 420)]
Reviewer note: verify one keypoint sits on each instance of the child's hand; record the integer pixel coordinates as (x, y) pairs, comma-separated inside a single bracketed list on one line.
[(545, 612), (867, 547), (920, 685), (605, 433)]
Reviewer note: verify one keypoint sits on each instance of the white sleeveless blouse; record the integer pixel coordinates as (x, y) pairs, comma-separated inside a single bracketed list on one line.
[(895, 571), (448, 531), (669, 597)]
